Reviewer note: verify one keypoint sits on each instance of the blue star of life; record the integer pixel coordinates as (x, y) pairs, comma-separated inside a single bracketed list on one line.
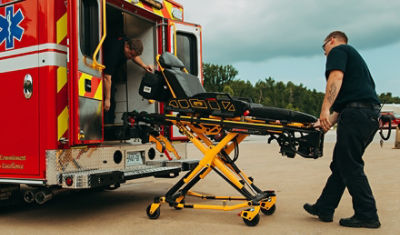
[(9, 27)]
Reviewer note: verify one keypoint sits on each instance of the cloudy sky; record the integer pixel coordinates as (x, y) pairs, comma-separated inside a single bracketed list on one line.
[(283, 38)]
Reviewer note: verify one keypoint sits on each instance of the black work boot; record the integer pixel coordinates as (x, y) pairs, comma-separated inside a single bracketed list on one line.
[(313, 210), (360, 223)]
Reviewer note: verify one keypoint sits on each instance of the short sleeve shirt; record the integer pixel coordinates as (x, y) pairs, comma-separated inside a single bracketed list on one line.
[(357, 85)]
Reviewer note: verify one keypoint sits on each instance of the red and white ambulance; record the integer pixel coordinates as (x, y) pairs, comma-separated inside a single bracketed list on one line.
[(52, 133)]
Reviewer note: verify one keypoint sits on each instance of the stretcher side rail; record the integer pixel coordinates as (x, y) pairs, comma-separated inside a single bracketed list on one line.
[(293, 139)]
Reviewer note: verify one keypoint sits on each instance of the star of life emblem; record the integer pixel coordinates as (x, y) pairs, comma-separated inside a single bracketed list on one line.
[(10, 28)]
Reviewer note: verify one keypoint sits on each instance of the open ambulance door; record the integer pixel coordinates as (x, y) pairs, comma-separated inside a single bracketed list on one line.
[(186, 45), (85, 31)]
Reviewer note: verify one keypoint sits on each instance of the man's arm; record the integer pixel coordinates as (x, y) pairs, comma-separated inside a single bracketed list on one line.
[(333, 86), (107, 92), (139, 62)]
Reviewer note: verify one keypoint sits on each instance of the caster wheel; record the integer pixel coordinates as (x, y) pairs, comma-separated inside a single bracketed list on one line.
[(253, 222), (155, 215), (270, 211)]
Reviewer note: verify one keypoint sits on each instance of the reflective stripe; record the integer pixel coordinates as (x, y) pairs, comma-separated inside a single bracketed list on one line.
[(62, 122), (96, 86), (61, 78), (62, 28), (166, 11), (42, 59), (33, 49), (18, 181), (99, 92)]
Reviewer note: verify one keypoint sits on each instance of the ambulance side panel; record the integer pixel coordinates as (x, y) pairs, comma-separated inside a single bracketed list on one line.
[(19, 91)]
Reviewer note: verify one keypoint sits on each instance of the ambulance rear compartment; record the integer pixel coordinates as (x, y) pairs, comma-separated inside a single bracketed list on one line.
[(129, 76)]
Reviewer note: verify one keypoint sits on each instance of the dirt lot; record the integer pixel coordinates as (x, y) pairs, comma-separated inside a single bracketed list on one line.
[(296, 181)]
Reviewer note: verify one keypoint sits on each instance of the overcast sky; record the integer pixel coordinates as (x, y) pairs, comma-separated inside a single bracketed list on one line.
[(283, 38)]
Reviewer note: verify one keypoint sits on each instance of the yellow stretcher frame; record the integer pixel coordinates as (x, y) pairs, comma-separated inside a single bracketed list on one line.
[(198, 129), (216, 158)]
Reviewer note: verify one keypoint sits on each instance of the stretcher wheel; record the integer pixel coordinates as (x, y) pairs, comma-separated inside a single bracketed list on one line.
[(156, 213), (253, 222), (270, 211)]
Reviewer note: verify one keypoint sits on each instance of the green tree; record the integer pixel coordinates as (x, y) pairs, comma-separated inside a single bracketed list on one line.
[(228, 90), (387, 98), (217, 76)]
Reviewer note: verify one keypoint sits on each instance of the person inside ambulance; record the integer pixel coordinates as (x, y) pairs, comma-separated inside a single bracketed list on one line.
[(117, 51)]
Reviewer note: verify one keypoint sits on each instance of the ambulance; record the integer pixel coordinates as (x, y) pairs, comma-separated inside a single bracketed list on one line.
[(52, 132)]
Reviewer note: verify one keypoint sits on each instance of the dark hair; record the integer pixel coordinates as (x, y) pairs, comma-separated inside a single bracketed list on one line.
[(337, 34), (136, 44)]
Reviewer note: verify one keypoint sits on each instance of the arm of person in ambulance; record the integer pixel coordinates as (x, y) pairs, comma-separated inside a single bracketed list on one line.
[(333, 86), (107, 92), (140, 62)]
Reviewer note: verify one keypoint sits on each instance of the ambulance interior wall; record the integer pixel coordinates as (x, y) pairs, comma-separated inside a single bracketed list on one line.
[(127, 95)]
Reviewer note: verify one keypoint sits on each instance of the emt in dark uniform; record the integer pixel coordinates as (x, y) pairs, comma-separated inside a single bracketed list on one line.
[(350, 93), (117, 51)]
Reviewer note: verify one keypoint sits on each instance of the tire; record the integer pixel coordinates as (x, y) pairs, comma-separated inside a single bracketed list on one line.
[(155, 215), (253, 222), (270, 211)]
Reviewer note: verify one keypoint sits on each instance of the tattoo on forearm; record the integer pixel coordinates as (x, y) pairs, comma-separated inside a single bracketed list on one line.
[(332, 94)]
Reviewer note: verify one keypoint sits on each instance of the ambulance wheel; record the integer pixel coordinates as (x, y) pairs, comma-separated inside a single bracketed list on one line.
[(270, 211), (253, 222), (156, 213)]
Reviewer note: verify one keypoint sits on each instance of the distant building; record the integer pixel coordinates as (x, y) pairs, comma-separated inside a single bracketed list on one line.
[(391, 108)]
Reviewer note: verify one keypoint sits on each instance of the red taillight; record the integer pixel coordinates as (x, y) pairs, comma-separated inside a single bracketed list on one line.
[(132, 121), (69, 181), (246, 113)]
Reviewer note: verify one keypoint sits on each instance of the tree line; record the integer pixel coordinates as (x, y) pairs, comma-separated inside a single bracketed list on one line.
[(222, 78)]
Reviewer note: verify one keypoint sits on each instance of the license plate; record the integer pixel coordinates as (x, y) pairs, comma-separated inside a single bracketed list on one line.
[(134, 159)]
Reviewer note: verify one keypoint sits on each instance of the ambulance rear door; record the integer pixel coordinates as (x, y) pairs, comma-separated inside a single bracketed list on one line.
[(186, 45), (85, 18)]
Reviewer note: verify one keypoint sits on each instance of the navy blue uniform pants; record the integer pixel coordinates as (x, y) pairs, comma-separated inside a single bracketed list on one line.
[(355, 131)]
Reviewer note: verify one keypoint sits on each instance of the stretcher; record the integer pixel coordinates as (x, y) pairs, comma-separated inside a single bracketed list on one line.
[(216, 124)]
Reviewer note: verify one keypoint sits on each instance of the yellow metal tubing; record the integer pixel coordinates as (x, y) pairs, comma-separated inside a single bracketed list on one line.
[(223, 207), (209, 154), (165, 77), (199, 195), (202, 176), (95, 64), (227, 172)]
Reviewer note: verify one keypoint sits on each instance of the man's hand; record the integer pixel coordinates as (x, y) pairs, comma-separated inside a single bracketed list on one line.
[(317, 124), (148, 68), (139, 61), (107, 104), (324, 119)]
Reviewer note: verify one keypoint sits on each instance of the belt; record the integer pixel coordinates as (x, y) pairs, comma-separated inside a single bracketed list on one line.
[(362, 105)]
